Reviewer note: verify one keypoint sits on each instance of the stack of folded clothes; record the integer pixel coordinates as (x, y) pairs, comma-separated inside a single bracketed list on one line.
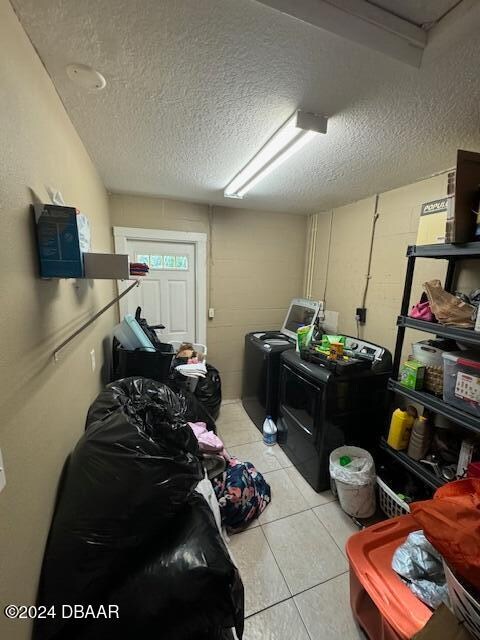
[(138, 269)]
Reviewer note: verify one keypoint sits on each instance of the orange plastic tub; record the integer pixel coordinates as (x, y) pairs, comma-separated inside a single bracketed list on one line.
[(382, 604)]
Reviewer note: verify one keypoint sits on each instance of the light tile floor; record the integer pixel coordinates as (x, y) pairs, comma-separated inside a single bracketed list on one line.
[(292, 559)]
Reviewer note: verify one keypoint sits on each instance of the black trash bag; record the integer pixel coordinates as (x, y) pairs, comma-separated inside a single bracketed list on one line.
[(184, 586), (209, 391), (129, 475), (195, 410)]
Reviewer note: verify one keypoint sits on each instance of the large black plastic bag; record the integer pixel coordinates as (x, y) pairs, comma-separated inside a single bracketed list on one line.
[(195, 411), (129, 475), (186, 586), (209, 391)]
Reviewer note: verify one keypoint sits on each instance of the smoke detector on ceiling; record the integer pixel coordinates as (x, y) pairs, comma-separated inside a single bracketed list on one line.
[(86, 77)]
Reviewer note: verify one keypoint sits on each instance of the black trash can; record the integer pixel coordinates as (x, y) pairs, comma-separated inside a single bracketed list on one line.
[(148, 364)]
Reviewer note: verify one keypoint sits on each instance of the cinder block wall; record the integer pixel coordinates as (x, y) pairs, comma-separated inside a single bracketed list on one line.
[(43, 404), (257, 264), (399, 212)]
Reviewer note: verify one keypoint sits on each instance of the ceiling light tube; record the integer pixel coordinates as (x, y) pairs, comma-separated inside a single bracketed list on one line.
[(299, 129)]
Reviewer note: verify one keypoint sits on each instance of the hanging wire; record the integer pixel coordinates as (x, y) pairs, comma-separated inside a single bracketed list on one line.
[(328, 257)]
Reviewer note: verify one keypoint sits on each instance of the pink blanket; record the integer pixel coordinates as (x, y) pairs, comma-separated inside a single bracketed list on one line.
[(207, 440)]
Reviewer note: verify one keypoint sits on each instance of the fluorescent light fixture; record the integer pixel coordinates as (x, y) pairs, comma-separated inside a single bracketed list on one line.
[(297, 131)]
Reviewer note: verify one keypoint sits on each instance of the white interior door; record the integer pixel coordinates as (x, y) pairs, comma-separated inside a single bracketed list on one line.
[(167, 293)]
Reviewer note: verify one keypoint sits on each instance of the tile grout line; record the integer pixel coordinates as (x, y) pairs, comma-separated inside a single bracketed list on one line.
[(342, 551), (270, 606), (276, 561), (262, 524), (240, 444), (304, 591), (293, 596), (301, 618), (318, 584), (290, 597)]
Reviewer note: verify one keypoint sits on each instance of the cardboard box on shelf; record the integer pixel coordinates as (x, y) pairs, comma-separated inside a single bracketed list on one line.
[(463, 196), (433, 221), (412, 374), (453, 218)]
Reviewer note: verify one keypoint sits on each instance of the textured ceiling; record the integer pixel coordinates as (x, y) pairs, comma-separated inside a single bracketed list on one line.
[(420, 12), (194, 88)]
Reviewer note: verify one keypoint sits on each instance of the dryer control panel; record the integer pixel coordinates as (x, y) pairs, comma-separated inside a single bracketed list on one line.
[(357, 348), (358, 355)]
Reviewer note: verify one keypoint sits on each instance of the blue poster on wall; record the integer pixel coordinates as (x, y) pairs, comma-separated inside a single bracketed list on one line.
[(58, 241)]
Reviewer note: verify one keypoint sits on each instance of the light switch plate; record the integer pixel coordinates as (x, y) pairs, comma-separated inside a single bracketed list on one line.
[(211, 313), (3, 479), (92, 359)]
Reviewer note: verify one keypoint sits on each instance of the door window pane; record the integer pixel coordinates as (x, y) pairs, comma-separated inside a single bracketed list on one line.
[(143, 259), (169, 262), (156, 262), (181, 262)]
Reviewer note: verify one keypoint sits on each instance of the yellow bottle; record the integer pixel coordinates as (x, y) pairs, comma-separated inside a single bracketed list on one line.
[(401, 428)]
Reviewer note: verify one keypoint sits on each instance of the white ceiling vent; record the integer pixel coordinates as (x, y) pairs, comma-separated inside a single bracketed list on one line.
[(86, 77)]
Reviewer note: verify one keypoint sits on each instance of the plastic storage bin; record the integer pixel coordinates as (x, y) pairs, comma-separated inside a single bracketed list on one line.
[(461, 381), (131, 335), (382, 604), (430, 353)]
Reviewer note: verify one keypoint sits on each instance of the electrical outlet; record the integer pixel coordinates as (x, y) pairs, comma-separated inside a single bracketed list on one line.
[(211, 313), (361, 315), (3, 479), (92, 359)]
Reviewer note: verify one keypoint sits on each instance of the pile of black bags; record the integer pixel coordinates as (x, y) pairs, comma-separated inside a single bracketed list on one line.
[(129, 530), (209, 391)]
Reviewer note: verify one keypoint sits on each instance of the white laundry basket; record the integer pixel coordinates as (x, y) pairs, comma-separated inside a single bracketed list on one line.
[(465, 607), (391, 505), (355, 482), (198, 346)]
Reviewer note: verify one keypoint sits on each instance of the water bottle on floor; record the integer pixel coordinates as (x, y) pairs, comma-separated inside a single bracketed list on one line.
[(269, 431)]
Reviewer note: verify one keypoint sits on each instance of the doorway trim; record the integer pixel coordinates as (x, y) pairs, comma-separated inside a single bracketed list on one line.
[(122, 234)]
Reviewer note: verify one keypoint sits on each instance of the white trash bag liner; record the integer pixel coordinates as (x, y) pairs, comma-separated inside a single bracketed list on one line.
[(355, 482)]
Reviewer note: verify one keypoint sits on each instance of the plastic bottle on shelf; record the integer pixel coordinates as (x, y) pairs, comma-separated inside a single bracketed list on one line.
[(401, 427), (269, 431), (420, 439)]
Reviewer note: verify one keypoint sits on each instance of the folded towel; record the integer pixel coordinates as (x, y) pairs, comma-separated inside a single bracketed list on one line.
[(198, 370)]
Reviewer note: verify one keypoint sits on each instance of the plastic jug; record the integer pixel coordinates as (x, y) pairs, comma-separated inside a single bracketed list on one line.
[(401, 427), (420, 439), (269, 431)]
